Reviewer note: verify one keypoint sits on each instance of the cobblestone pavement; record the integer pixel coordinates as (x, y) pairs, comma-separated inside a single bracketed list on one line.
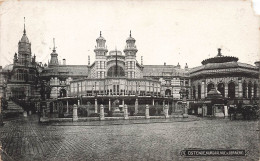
[(25, 139)]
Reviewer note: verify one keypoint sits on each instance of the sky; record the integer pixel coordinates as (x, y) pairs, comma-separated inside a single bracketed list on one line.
[(186, 31)]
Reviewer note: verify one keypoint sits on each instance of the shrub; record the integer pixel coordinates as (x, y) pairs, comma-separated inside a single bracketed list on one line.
[(159, 110), (152, 111), (94, 115), (110, 113)]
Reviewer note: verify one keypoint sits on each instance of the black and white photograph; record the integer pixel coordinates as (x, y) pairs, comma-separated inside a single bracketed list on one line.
[(129, 80)]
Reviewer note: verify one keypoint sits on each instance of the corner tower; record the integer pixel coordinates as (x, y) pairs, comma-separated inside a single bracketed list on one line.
[(130, 57), (100, 51)]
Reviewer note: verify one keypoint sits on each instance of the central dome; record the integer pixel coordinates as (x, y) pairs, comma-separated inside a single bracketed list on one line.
[(220, 59)]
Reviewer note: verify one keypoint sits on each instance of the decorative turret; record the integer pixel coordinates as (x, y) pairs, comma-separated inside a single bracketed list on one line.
[(34, 59), (130, 48), (101, 48), (15, 59), (54, 56), (130, 57), (100, 63)]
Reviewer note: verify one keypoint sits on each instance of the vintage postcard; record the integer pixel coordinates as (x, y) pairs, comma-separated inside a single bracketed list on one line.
[(129, 80)]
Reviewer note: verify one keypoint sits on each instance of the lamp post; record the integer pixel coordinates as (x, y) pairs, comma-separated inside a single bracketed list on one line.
[(153, 89), (78, 93), (136, 87), (183, 92), (43, 102), (95, 89)]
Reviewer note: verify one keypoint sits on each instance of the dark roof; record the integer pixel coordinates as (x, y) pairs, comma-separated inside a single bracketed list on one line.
[(226, 65), (24, 39), (214, 93), (163, 70), (72, 70)]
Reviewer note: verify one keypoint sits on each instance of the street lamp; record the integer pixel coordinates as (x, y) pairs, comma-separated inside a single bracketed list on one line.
[(153, 89), (183, 92)]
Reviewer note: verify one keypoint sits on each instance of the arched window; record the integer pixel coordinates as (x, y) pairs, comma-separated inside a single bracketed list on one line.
[(199, 91), (244, 86), (249, 90), (231, 90), (113, 72), (167, 92), (210, 86), (255, 90), (63, 93), (221, 89)]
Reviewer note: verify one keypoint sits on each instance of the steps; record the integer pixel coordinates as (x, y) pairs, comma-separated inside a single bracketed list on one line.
[(13, 108)]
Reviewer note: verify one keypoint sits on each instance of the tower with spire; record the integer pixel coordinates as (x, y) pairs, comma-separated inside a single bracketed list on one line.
[(130, 57), (100, 53), (24, 50), (54, 56)]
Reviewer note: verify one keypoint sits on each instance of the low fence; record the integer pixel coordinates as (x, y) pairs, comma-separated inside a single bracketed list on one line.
[(89, 110)]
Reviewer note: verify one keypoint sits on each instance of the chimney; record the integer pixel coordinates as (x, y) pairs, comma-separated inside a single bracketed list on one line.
[(141, 60), (164, 63), (88, 60), (64, 61), (257, 63), (0, 67)]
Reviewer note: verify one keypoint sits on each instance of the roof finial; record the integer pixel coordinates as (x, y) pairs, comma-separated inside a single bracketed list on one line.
[(54, 48), (130, 34), (24, 31), (100, 34)]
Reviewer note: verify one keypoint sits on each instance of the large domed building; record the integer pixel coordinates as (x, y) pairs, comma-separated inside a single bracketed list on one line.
[(234, 80), (117, 76)]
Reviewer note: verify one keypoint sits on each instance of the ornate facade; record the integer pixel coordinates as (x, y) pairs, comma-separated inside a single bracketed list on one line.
[(234, 80), (118, 75), (20, 79)]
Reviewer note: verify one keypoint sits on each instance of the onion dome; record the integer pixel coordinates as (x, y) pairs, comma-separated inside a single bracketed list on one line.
[(100, 38), (220, 59), (130, 38)]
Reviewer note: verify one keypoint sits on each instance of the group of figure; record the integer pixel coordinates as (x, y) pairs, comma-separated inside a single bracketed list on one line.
[(247, 111)]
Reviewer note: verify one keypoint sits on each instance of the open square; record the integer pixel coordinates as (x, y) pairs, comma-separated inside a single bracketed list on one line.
[(155, 139)]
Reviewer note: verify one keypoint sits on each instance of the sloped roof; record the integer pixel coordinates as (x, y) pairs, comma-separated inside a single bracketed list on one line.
[(8, 68), (24, 39), (72, 70), (225, 65), (163, 70)]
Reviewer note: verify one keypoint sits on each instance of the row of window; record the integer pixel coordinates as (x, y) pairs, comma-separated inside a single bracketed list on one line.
[(101, 64), (246, 90), (130, 65), (23, 75)]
